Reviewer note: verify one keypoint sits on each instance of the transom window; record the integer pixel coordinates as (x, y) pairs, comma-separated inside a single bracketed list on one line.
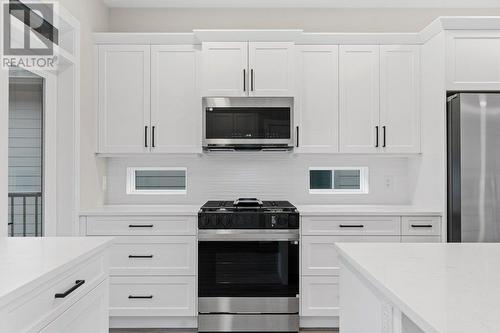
[(156, 180), (338, 180)]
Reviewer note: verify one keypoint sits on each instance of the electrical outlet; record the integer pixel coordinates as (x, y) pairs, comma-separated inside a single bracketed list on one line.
[(389, 182)]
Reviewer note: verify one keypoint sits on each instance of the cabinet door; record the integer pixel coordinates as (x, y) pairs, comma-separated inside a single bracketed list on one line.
[(359, 98), (124, 98), (320, 296), (400, 98), (175, 100), (89, 314), (271, 69), (319, 256), (317, 98), (473, 60), (225, 69)]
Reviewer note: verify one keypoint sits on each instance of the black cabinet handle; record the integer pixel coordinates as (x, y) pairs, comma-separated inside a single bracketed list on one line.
[(141, 225), (140, 297), (78, 284), (244, 80), (384, 130), (376, 136), (146, 136), (149, 256), (297, 134), (421, 225), (351, 226), (153, 137), (251, 79)]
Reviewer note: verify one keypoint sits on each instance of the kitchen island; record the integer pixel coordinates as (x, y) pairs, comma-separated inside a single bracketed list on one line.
[(54, 284), (414, 288)]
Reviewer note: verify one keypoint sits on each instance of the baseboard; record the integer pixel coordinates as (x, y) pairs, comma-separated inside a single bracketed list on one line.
[(153, 322), (319, 322)]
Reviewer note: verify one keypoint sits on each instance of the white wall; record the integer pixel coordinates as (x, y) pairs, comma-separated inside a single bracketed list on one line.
[(312, 20), (94, 17), (267, 175)]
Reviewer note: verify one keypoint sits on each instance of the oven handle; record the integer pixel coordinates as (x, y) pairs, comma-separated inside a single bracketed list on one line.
[(231, 235)]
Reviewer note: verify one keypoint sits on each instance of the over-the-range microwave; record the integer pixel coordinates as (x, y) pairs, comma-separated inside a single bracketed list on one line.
[(247, 123)]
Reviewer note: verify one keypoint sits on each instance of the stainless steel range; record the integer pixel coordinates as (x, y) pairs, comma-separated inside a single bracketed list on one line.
[(248, 266)]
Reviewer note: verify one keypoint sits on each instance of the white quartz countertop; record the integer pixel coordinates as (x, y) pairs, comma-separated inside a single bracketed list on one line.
[(143, 210), (303, 209), (28, 262), (365, 210), (443, 288)]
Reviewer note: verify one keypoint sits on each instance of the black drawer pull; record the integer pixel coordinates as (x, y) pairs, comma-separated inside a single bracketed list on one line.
[(351, 226), (78, 284), (140, 257), (141, 225), (140, 297), (421, 225)]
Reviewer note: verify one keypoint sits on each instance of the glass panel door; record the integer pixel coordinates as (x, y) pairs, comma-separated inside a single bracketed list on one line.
[(26, 119)]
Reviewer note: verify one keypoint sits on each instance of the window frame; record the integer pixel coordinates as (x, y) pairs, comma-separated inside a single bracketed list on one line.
[(131, 186), (363, 181)]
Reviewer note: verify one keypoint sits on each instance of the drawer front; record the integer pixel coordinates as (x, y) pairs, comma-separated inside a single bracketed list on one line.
[(351, 225), (421, 225), (153, 296), (141, 225), (29, 311), (421, 239), (319, 256), (320, 296), (153, 255)]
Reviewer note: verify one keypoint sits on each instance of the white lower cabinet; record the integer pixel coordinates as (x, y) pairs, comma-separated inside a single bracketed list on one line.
[(153, 296), (320, 296), (90, 314), (153, 269), (320, 267)]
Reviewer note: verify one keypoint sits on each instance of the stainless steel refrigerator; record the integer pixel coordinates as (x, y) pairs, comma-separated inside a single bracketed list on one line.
[(473, 135)]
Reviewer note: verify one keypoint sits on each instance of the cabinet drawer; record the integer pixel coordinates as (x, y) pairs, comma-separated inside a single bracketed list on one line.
[(351, 225), (319, 256), (153, 296), (141, 225), (421, 225), (320, 296), (29, 311), (153, 255)]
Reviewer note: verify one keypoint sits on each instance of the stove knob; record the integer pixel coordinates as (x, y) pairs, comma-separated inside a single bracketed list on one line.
[(203, 221)]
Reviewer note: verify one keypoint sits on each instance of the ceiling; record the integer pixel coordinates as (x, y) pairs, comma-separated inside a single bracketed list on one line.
[(305, 3)]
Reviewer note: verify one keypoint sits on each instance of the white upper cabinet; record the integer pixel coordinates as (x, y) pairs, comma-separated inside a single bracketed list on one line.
[(271, 69), (400, 98), (317, 98), (359, 98), (225, 69), (473, 60), (124, 98), (175, 100), (240, 69)]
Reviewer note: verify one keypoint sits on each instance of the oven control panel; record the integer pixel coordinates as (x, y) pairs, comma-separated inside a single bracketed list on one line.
[(248, 220)]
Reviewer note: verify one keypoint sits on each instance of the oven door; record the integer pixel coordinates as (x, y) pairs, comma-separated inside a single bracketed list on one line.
[(248, 269)]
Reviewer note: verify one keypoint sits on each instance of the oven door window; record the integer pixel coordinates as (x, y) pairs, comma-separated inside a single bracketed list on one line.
[(248, 123), (248, 269)]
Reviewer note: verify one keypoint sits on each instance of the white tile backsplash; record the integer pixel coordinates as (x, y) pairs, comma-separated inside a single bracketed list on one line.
[(270, 175)]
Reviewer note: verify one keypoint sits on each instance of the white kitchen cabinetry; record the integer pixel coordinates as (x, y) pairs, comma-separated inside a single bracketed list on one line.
[(473, 60), (359, 98), (153, 268), (379, 99), (124, 100), (320, 266), (175, 99), (240, 69), (317, 98), (400, 98), (149, 99)]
